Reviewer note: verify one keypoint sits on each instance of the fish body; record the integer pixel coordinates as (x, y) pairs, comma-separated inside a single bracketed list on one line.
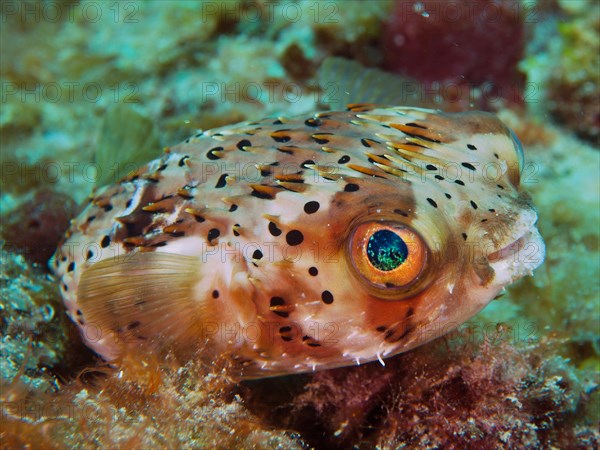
[(304, 243)]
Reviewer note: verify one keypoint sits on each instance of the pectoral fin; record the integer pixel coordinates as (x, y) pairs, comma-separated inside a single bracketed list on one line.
[(146, 297)]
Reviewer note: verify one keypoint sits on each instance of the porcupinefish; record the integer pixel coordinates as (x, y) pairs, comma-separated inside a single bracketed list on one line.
[(304, 243)]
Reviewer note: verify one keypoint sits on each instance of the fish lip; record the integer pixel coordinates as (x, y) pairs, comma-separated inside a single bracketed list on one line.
[(508, 250), (524, 236), (519, 257)]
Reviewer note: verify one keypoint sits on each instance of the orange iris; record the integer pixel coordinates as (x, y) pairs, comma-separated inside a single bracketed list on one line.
[(387, 255)]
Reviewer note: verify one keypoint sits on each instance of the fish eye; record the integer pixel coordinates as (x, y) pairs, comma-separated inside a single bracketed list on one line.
[(387, 254)]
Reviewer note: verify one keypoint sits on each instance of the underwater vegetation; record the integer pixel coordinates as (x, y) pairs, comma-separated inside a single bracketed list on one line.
[(565, 69), (478, 44), (574, 85), (530, 381)]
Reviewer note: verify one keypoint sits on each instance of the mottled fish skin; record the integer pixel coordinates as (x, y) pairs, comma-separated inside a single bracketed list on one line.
[(264, 215)]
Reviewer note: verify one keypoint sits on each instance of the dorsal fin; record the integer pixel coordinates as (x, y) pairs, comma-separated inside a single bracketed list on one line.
[(127, 140), (344, 81)]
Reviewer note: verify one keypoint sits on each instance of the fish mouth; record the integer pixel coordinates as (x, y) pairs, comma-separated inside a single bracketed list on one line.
[(510, 250), (518, 258)]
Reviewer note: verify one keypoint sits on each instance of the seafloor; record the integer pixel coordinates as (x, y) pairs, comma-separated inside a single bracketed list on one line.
[(524, 373)]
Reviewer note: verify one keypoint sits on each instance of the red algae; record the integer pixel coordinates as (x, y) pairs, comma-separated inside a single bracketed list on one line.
[(459, 44), (35, 227), (480, 395)]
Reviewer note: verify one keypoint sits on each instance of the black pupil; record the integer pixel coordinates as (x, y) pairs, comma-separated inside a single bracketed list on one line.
[(386, 250)]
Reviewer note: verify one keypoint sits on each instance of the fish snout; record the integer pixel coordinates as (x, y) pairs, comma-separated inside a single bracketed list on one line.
[(521, 252)]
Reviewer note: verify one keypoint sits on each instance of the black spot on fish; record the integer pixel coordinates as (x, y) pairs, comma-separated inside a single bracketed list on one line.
[(432, 202), (90, 255), (344, 159), (439, 177), (278, 301), (320, 140), (232, 208), (459, 182), (210, 155), (365, 143), (243, 143), (351, 187), (221, 182), (262, 195), (464, 236), (313, 271), (306, 163), (71, 267), (312, 122), (473, 204), (418, 136), (107, 207), (468, 166), (283, 138), (213, 233), (215, 294), (430, 167), (311, 207), (257, 254), (448, 196), (471, 147), (105, 242), (181, 162), (273, 229), (294, 237), (416, 125), (327, 297)]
